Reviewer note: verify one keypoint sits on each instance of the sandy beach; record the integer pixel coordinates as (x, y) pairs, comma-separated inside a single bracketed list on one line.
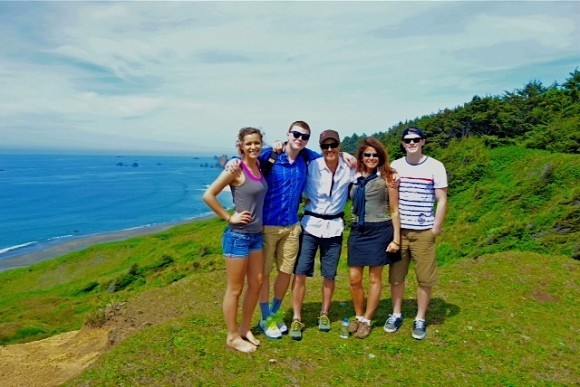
[(78, 243)]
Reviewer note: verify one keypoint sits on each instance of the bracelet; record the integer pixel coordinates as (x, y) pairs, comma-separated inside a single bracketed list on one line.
[(396, 243), (229, 217)]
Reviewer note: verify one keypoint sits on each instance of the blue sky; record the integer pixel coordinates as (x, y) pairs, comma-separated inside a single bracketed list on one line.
[(183, 77)]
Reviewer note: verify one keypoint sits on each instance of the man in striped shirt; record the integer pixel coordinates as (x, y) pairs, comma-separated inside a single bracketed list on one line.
[(423, 184)]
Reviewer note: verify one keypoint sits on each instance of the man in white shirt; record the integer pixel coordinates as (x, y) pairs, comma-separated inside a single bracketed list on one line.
[(423, 183), (326, 193)]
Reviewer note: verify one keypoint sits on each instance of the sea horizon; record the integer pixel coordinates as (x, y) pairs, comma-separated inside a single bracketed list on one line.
[(56, 199)]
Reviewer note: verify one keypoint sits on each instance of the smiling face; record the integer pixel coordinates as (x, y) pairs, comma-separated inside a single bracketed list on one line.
[(298, 137), (413, 144), (330, 150), (251, 146), (370, 158)]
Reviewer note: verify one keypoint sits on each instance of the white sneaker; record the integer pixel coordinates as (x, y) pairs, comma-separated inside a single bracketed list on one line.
[(270, 328), (282, 327)]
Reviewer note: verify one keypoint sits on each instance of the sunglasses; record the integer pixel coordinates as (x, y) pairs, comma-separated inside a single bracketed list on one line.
[(371, 155), (332, 145), (297, 134), (415, 140)]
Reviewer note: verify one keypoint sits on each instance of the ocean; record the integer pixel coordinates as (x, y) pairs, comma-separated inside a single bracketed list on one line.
[(49, 199)]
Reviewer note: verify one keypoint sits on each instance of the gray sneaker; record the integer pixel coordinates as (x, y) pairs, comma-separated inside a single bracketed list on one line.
[(393, 323), (324, 323), (419, 329), (296, 330)]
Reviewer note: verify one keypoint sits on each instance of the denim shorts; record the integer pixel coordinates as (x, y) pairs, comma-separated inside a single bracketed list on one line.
[(239, 245)]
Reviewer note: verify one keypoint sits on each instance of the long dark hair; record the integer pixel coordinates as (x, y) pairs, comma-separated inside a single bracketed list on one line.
[(384, 167)]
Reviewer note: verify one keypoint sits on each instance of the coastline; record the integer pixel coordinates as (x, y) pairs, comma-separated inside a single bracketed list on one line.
[(58, 249)]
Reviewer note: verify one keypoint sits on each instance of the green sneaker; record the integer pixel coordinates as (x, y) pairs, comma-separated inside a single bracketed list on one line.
[(324, 323), (270, 328), (279, 317), (296, 330)]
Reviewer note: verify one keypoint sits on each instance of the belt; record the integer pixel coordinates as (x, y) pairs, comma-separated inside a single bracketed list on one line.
[(322, 216)]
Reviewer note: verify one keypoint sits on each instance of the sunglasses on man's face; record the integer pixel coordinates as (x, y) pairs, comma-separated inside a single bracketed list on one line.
[(415, 140), (369, 155), (297, 134), (332, 145)]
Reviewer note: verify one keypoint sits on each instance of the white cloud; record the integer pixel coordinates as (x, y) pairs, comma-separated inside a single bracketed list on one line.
[(184, 76)]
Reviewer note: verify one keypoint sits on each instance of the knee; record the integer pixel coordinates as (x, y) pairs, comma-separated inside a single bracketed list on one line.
[(355, 282), (235, 291), (375, 280), (256, 282)]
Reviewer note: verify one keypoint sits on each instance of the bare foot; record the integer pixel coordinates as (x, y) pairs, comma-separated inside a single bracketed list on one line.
[(250, 337), (241, 345)]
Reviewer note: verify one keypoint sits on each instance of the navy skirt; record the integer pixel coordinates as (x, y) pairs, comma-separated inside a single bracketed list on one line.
[(367, 245)]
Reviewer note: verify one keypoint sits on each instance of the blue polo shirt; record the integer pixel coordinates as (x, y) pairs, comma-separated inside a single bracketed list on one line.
[(285, 185)]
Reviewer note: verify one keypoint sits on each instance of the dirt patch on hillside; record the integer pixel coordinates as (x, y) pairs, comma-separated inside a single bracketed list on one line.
[(51, 361), (57, 359)]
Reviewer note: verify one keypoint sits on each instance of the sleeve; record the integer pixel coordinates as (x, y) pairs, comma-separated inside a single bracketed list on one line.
[(440, 176), (311, 155), (265, 154)]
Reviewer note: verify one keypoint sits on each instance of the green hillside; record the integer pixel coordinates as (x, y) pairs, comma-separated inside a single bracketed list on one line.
[(504, 312), (503, 319), (503, 199)]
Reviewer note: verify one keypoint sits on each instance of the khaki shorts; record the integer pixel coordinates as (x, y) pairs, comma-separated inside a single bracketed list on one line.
[(419, 246), (281, 245)]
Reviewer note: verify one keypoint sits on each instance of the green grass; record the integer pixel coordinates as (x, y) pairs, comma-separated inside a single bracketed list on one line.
[(56, 295), (504, 312), (503, 319), (525, 200)]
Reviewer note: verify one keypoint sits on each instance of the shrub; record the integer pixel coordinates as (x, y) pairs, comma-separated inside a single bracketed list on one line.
[(88, 288)]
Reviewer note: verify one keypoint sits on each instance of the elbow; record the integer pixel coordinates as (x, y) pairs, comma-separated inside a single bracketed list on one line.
[(205, 197)]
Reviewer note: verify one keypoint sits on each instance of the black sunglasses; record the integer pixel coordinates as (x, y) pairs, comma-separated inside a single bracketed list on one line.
[(332, 145), (297, 134), (415, 140), (370, 154)]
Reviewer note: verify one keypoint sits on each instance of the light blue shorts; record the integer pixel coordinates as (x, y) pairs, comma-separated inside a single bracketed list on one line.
[(239, 245)]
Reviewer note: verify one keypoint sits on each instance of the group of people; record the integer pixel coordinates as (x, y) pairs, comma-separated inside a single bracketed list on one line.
[(395, 221)]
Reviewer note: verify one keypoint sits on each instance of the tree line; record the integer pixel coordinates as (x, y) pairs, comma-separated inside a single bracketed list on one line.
[(534, 116)]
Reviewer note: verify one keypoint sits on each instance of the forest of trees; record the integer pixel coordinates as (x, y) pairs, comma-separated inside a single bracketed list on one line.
[(535, 116)]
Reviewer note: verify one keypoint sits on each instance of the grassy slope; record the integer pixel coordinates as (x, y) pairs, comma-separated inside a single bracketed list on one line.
[(503, 319), (507, 199), (510, 198), (48, 298)]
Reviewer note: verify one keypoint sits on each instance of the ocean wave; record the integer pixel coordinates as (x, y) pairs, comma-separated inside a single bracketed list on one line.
[(61, 237), (16, 247)]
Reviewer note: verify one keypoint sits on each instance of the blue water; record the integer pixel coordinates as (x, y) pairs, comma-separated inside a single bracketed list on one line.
[(47, 198)]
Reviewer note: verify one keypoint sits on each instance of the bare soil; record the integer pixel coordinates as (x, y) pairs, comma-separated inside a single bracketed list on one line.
[(57, 359)]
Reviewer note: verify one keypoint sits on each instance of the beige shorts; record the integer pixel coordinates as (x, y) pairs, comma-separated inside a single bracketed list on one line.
[(281, 245), (418, 246)]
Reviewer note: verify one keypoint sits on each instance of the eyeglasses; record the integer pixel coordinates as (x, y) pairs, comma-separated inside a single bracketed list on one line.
[(332, 145), (415, 140), (371, 155), (297, 134)]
